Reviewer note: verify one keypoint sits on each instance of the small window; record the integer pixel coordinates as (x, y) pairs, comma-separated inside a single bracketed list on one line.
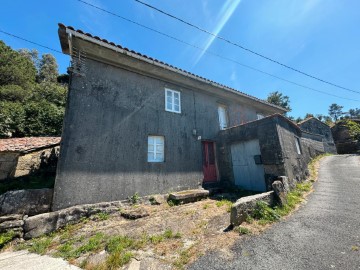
[(223, 120), (172, 101), (155, 149), (259, 116), (297, 143)]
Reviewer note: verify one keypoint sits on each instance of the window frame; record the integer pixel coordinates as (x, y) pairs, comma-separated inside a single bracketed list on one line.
[(173, 92), (154, 152), (298, 145), (225, 115)]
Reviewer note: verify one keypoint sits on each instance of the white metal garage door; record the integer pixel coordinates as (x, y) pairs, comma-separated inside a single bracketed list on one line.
[(247, 173)]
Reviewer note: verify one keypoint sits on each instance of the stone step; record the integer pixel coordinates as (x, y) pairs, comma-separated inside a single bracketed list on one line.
[(188, 196)]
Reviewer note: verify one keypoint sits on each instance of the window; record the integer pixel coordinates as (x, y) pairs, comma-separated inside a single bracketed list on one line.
[(155, 149), (223, 121), (297, 143), (259, 116), (172, 101)]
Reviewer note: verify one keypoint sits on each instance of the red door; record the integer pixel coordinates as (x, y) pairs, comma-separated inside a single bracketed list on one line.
[(209, 166)]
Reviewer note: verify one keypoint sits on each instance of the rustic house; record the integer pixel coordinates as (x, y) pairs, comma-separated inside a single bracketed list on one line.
[(23, 156), (313, 125), (136, 124)]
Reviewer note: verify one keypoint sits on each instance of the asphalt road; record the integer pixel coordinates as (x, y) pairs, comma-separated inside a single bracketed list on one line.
[(320, 235)]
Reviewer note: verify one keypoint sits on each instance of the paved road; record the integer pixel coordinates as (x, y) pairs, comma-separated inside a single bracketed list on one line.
[(318, 236), (23, 260)]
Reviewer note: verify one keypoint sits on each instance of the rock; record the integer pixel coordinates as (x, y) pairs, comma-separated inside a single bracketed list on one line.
[(134, 213), (158, 199), (280, 192), (134, 264), (11, 224), (26, 202), (96, 259), (285, 181), (187, 196), (10, 217), (244, 206)]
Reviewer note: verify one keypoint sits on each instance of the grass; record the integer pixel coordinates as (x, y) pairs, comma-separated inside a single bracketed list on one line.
[(183, 259), (134, 198), (103, 216), (6, 237), (225, 202), (243, 230), (41, 245)]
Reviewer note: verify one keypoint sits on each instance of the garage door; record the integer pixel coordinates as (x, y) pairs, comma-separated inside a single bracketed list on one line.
[(247, 167)]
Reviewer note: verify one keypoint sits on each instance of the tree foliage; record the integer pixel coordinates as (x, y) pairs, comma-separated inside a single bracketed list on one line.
[(32, 102), (335, 111), (279, 99)]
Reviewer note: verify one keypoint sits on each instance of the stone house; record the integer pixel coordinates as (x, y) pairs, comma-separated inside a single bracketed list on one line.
[(24, 156), (313, 125), (136, 124)]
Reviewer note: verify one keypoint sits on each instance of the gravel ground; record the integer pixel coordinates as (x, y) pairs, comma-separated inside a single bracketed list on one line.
[(323, 234)]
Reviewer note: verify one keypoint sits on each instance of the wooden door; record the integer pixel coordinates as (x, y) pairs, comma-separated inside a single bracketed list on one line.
[(209, 165), (247, 173)]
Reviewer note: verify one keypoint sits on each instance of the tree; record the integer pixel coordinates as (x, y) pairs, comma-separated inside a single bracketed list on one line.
[(309, 115), (354, 113), (15, 68), (32, 55), (335, 111), (279, 99), (48, 69), (320, 117)]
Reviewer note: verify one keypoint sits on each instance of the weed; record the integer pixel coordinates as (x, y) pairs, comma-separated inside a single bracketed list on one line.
[(243, 230), (119, 243), (168, 233), (95, 243), (6, 237), (264, 213), (118, 259), (172, 203), (184, 258), (40, 245), (206, 206), (155, 239), (224, 202), (354, 248), (103, 216), (66, 251), (134, 198)]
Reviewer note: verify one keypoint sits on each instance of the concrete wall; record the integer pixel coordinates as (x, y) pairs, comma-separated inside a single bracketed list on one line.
[(277, 139), (13, 165), (315, 126), (109, 115)]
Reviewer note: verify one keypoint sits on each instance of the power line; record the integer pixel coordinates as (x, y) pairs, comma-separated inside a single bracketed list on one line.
[(29, 41), (244, 48), (214, 54)]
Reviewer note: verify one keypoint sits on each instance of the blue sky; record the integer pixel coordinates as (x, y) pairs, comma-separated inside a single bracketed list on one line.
[(320, 37)]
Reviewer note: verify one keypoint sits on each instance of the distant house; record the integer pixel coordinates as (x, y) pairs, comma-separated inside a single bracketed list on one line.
[(313, 125), (23, 156), (136, 124), (345, 143)]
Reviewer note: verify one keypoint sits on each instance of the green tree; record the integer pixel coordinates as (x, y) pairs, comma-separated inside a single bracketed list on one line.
[(354, 113), (279, 99), (15, 68), (335, 111), (48, 69), (51, 92), (309, 115), (12, 119), (12, 92)]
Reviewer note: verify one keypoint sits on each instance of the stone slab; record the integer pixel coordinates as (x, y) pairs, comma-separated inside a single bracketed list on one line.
[(187, 196)]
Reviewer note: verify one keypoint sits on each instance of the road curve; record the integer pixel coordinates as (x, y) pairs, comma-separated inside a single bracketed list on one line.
[(323, 234)]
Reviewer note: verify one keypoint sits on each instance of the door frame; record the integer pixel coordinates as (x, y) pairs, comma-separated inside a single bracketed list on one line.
[(216, 161)]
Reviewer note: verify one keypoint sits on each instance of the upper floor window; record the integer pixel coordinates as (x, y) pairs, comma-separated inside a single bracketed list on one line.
[(259, 116), (297, 143), (223, 119), (172, 101), (155, 149)]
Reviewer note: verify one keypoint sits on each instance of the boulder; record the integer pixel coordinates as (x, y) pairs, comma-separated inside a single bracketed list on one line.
[(158, 199), (280, 192), (134, 213), (285, 181), (243, 207), (26, 202), (10, 225)]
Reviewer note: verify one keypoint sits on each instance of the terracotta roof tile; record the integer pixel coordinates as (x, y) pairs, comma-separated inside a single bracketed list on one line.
[(27, 144)]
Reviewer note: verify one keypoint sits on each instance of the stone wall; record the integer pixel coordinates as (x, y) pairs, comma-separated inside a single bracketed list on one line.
[(344, 142), (8, 162), (13, 165)]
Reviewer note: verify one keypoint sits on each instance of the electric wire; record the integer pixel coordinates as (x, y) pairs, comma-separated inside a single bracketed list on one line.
[(242, 47)]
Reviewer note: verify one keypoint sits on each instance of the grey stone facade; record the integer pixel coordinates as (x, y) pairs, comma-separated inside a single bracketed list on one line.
[(112, 108), (315, 126)]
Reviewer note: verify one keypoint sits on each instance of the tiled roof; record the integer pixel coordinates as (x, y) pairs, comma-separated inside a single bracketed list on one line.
[(63, 27), (27, 144)]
